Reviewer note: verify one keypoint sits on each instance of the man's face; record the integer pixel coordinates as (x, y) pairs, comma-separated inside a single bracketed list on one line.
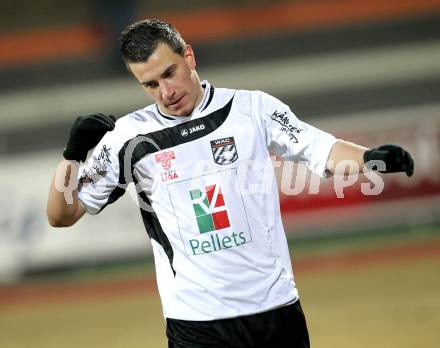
[(170, 79)]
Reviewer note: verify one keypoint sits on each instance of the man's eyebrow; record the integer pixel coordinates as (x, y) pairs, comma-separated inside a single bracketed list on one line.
[(166, 72)]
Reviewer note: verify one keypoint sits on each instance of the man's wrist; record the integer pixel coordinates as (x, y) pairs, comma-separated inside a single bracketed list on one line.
[(366, 157), (71, 162), (70, 155)]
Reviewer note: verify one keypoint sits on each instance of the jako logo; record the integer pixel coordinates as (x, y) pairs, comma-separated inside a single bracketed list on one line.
[(196, 128), (184, 132), (209, 208)]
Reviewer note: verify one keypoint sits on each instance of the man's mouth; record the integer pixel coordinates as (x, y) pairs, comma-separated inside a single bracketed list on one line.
[(174, 103)]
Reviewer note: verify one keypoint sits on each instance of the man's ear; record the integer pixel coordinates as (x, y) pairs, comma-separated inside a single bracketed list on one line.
[(189, 57)]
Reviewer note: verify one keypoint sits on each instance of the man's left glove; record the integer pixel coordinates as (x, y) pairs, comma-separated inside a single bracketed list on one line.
[(85, 134), (395, 158)]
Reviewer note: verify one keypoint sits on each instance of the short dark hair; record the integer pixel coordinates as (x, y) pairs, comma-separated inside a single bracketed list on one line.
[(140, 39)]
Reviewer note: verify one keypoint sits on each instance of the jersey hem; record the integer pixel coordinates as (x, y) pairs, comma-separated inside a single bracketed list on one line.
[(288, 303)]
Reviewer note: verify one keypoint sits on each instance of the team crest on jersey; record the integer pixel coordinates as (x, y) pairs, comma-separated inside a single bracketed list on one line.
[(165, 159), (224, 151)]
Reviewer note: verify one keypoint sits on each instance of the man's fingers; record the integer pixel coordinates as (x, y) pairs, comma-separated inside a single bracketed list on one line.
[(395, 157), (99, 121), (409, 164), (406, 162), (107, 120), (381, 155)]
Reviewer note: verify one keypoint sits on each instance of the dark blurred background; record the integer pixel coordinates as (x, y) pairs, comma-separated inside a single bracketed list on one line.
[(366, 71)]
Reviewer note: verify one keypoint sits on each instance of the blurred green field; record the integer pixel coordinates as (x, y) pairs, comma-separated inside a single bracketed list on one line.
[(391, 303)]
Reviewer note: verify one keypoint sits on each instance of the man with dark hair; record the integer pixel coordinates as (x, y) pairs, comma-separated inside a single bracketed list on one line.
[(140, 39), (160, 44), (199, 157)]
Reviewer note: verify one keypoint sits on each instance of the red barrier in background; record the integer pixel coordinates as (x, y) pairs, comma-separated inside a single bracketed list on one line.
[(86, 39), (403, 200)]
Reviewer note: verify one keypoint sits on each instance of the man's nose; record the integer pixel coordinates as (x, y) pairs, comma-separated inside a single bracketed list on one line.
[(167, 90)]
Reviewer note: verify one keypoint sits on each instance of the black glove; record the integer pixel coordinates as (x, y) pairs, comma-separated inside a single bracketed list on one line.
[(86, 133), (396, 159)]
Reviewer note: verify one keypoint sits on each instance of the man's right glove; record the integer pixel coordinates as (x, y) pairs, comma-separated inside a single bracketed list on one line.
[(86, 133), (395, 158)]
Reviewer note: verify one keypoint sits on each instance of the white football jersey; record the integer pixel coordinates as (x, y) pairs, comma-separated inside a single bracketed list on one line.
[(208, 197)]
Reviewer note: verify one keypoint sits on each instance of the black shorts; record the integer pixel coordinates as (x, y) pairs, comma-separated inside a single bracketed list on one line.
[(279, 328)]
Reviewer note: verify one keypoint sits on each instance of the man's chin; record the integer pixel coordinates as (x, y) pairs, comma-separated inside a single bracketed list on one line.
[(182, 112), (179, 113)]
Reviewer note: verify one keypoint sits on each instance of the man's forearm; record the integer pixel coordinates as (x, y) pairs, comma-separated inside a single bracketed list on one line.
[(345, 155), (63, 208), (348, 158)]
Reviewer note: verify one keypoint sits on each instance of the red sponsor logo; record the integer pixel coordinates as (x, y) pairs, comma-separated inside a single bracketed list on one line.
[(165, 159)]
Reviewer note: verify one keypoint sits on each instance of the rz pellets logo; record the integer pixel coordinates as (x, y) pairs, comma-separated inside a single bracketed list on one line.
[(211, 215), (209, 208)]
